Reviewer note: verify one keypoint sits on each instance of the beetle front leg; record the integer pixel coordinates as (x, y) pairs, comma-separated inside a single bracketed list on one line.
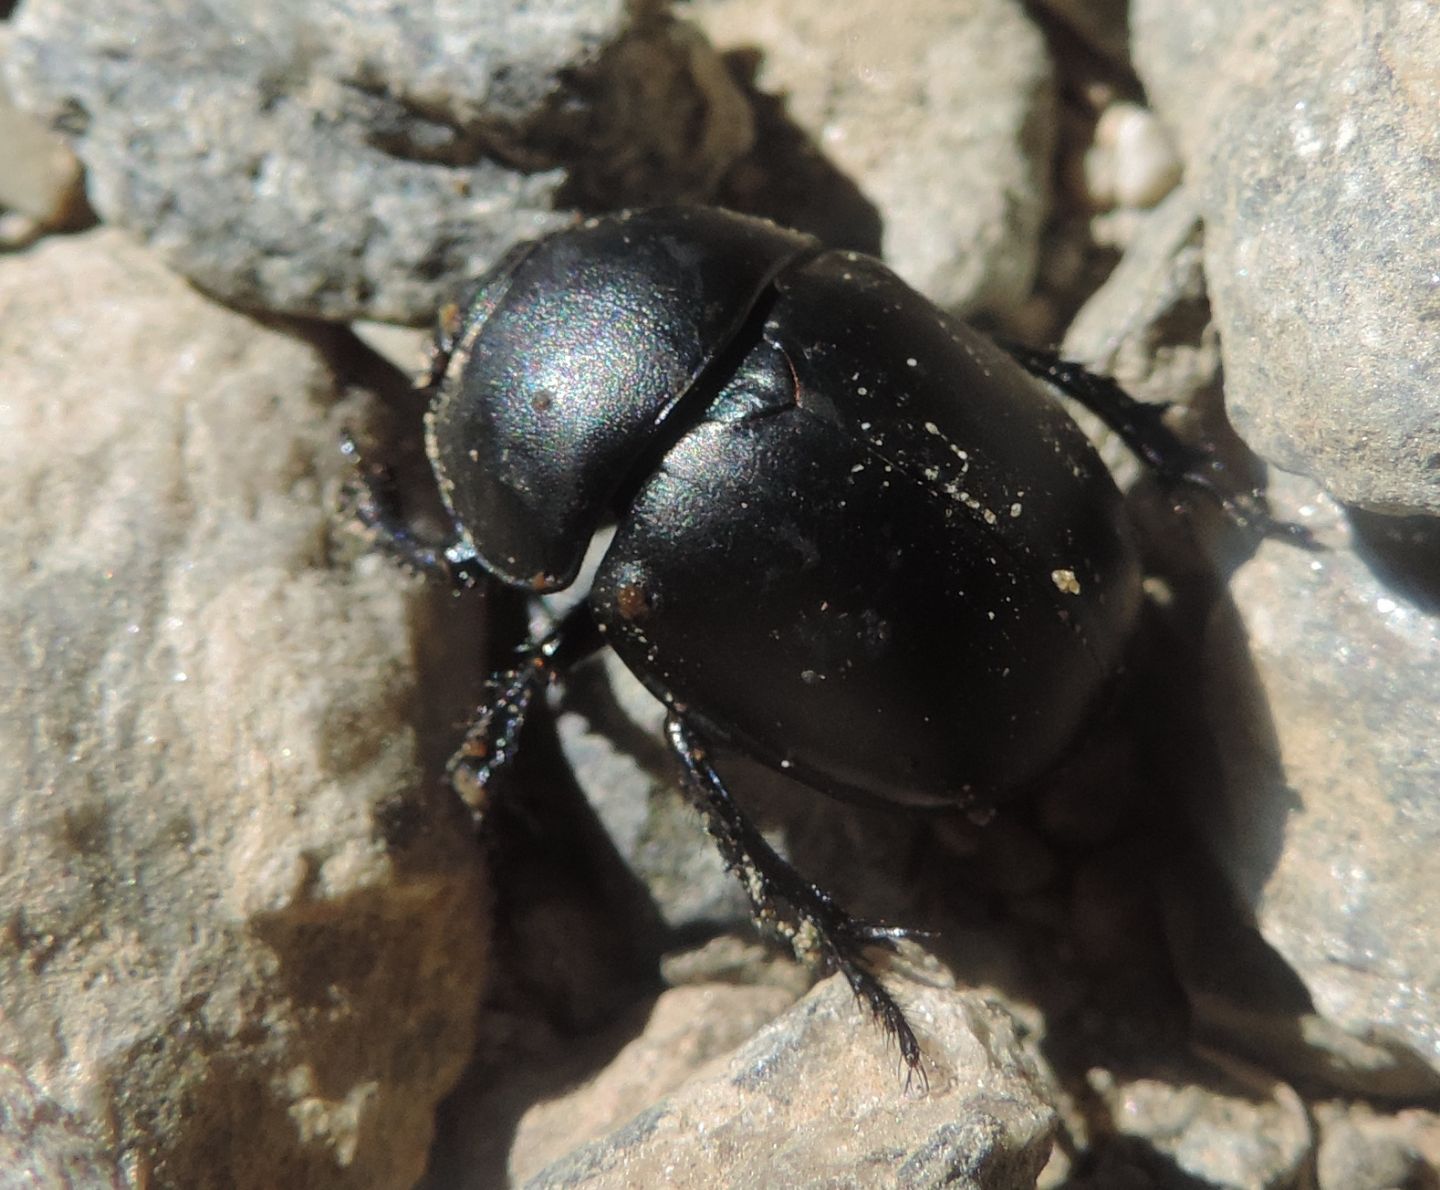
[(782, 899), (372, 498)]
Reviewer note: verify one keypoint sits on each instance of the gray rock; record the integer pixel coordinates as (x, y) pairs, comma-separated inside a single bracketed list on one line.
[(405, 347), (357, 159), (1362, 1150), (42, 1145), (1321, 695), (41, 178), (1132, 161), (686, 1029), (1190, 1122), (240, 931), (814, 1100), (1149, 327), (546, 1094), (1310, 135), (945, 120), (1180, 51), (1322, 690)]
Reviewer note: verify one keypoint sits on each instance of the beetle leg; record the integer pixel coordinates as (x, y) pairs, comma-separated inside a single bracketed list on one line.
[(493, 736), (783, 900), (1139, 423), (1141, 427), (372, 497)]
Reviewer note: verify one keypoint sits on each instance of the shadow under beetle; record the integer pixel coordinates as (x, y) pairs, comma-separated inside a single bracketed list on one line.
[(854, 538)]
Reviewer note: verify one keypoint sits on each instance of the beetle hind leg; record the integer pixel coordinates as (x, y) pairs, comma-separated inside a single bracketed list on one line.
[(1141, 427), (783, 900)]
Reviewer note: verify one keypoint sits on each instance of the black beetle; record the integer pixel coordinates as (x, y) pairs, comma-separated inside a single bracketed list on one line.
[(854, 538)]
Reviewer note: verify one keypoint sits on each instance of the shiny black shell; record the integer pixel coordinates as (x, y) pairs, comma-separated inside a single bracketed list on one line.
[(854, 538)]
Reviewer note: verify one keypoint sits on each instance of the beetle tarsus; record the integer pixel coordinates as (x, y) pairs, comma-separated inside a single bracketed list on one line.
[(781, 898)]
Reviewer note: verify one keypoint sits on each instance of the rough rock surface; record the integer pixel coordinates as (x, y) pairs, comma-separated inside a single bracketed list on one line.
[(801, 1103), (1196, 1121), (239, 932), (1149, 324), (356, 159), (564, 1094), (1363, 1150), (1329, 827), (1309, 133), (242, 933), (41, 179), (1320, 673), (1304, 938), (687, 1028), (944, 120)]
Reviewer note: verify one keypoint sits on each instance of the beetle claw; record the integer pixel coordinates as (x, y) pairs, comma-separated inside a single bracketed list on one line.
[(889, 1016), (490, 742)]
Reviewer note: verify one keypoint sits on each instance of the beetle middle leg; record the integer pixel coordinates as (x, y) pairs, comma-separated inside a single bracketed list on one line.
[(780, 897), (491, 741)]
